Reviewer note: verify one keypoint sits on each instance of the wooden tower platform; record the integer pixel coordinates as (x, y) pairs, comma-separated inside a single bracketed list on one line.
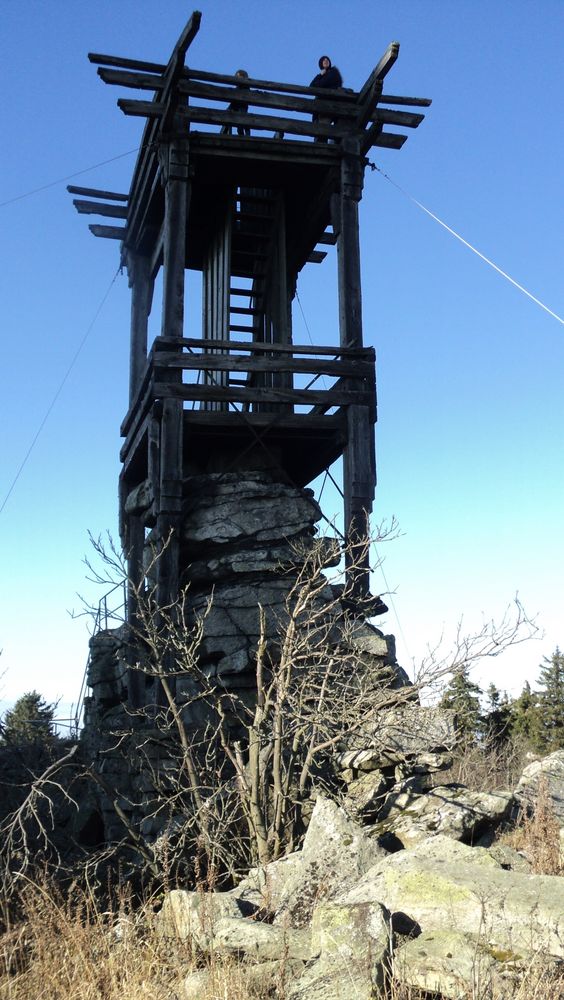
[(249, 211)]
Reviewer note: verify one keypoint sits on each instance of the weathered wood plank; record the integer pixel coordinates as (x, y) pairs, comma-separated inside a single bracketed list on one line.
[(257, 419), (409, 119), (348, 248), (358, 488), (344, 95), (385, 140), (233, 394), (264, 99), (99, 208), (164, 343), (291, 126), (382, 68), (108, 232), (140, 282), (246, 95), (208, 116), (372, 89), (95, 193), (352, 368), (416, 102), (293, 150), (99, 59), (328, 239), (316, 257), (131, 80), (138, 410)]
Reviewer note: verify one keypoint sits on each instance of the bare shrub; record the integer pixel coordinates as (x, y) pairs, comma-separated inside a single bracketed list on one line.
[(486, 766)]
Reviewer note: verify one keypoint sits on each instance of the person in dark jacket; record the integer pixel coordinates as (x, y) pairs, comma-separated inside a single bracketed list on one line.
[(242, 76), (328, 77)]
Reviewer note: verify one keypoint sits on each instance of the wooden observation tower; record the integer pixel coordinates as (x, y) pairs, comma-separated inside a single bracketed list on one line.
[(248, 185)]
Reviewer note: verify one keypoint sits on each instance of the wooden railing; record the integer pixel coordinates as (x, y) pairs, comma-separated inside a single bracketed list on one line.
[(175, 369)]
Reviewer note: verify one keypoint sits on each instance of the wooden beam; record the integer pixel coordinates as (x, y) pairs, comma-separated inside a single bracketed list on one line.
[(94, 193), (137, 64), (316, 257), (261, 99), (343, 95), (246, 95), (381, 69), (99, 208), (251, 394), (109, 232), (385, 140), (296, 151), (372, 90), (417, 102), (175, 68), (262, 420), (409, 119), (259, 347), (352, 368), (186, 38), (348, 247), (140, 281), (209, 116)]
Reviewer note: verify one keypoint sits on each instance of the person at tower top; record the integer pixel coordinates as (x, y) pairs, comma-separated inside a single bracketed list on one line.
[(328, 75)]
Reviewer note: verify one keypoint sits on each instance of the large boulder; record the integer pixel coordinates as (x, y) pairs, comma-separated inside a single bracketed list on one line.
[(353, 947), (262, 942), (227, 508), (335, 853), (404, 732), (548, 774), (454, 810), (518, 913), (455, 965), (193, 916)]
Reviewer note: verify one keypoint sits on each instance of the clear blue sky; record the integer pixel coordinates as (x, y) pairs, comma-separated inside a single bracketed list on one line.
[(470, 371)]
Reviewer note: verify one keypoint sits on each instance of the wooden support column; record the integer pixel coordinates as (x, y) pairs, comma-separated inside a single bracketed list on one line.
[(358, 461), (141, 286), (133, 528), (282, 308), (174, 167)]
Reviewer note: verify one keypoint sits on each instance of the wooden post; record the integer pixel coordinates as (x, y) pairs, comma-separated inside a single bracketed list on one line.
[(141, 294), (174, 167), (358, 461), (141, 286)]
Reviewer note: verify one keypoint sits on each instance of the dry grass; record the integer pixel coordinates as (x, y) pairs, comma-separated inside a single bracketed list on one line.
[(69, 950), (537, 835), (66, 949), (538, 982), (486, 767)]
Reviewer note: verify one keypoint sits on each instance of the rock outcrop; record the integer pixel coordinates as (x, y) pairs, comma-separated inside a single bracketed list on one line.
[(442, 916)]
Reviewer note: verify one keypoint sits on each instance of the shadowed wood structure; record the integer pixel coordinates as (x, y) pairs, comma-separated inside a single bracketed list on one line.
[(247, 181)]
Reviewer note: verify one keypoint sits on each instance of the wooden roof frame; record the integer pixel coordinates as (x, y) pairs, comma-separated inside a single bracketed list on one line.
[(345, 114)]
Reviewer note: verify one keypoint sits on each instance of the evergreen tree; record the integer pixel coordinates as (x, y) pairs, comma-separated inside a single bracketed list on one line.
[(496, 720), (551, 702), (30, 721), (463, 696), (525, 718)]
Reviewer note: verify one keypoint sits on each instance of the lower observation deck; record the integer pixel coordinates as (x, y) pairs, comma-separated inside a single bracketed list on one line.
[(254, 404)]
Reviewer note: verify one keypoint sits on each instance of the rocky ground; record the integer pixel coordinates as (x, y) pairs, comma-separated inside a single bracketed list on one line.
[(401, 882)]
